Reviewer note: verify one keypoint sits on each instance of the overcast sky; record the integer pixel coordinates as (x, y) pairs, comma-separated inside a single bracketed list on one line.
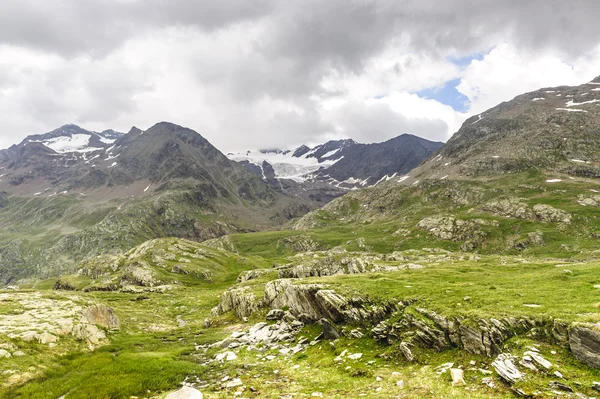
[(251, 74)]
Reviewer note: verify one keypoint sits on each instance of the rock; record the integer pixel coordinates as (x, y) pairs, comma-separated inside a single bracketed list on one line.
[(47, 338), (584, 341), (457, 376), (536, 238), (103, 316), (355, 356), (241, 301), (29, 336), (88, 332), (64, 285), (185, 393), (450, 228), (19, 354), (506, 369), (329, 331), (560, 386), (408, 355), (489, 381), (275, 314), (511, 207), (547, 213), (356, 334), (538, 359), (236, 382), (4, 353), (226, 356), (596, 385), (252, 274)]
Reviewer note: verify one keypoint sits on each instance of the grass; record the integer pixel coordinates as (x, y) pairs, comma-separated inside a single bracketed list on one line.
[(154, 353)]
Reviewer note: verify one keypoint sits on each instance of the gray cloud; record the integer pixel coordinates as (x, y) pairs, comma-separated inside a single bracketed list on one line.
[(240, 56)]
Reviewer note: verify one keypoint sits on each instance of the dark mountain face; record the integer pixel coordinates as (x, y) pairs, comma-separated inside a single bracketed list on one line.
[(551, 128), (342, 164), (367, 164)]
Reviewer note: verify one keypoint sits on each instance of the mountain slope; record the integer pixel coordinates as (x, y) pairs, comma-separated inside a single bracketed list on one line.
[(551, 128), (58, 208)]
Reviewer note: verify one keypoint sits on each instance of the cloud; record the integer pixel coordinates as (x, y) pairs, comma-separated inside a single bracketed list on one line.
[(280, 73)]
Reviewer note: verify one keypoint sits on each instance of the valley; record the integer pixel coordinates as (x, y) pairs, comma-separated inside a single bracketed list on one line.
[(475, 274)]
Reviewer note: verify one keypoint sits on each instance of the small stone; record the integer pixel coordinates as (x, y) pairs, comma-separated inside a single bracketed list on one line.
[(355, 356), (236, 382), (467, 298), (225, 356), (316, 395), (489, 381), (19, 354), (457, 377), (558, 374), (4, 353), (47, 338), (185, 393), (400, 384)]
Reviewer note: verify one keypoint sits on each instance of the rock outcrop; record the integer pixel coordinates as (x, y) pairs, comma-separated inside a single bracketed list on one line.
[(241, 301), (311, 302), (584, 341)]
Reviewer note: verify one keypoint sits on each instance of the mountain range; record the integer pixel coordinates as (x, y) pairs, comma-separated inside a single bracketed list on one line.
[(343, 164)]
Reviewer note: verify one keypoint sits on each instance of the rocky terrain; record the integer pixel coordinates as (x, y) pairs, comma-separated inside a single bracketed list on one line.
[(481, 282)]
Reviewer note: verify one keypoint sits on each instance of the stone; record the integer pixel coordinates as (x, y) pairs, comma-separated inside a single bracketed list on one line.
[(19, 354), (275, 314), (547, 213), (457, 376), (329, 331), (506, 368), (538, 359), (4, 353), (226, 356), (47, 338), (185, 393), (584, 341), (236, 382), (355, 356), (408, 355), (29, 336), (103, 316)]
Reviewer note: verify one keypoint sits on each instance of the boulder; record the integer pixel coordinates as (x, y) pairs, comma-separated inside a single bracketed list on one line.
[(103, 316), (241, 301), (185, 393), (4, 353), (329, 331), (584, 341), (547, 213), (506, 368)]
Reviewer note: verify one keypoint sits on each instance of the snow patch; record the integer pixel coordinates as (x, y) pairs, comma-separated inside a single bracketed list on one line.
[(553, 181), (571, 103), (538, 99), (400, 180), (571, 109), (146, 189), (113, 165)]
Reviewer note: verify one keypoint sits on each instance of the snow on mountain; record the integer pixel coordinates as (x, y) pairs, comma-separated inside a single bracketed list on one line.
[(285, 164), (72, 138)]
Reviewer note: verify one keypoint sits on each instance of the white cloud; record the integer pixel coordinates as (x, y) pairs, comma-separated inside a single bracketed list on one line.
[(507, 72)]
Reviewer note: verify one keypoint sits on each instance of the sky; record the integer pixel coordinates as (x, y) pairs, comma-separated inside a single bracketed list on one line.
[(271, 73)]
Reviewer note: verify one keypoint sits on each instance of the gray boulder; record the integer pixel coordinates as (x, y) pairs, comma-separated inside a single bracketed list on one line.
[(584, 342)]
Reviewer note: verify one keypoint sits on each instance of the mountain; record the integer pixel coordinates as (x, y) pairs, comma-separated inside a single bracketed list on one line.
[(72, 193), (554, 128), (343, 164)]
